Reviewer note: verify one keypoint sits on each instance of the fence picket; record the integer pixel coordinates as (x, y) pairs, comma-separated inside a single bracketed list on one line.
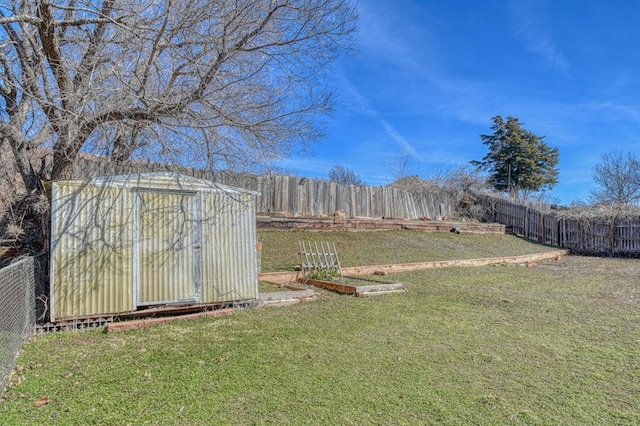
[(589, 236), (308, 197)]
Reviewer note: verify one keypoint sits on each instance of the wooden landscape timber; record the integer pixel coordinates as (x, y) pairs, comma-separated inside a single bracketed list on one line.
[(282, 278), (404, 267), (329, 285), (266, 223), (279, 278), (367, 290)]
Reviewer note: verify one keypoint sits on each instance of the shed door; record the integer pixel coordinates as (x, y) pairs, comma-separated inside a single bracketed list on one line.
[(167, 251)]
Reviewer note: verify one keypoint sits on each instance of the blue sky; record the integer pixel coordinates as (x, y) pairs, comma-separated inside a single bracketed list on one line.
[(431, 74)]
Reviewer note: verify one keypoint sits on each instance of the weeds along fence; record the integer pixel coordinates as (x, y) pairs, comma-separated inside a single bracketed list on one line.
[(301, 196), (602, 235), (20, 282)]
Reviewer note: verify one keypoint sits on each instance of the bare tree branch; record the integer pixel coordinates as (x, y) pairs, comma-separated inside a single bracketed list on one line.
[(617, 179), (88, 61), (237, 80), (51, 46), (344, 176)]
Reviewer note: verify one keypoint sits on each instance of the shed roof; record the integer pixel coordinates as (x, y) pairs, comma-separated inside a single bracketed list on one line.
[(162, 180)]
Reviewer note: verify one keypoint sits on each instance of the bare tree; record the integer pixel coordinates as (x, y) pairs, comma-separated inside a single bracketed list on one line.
[(344, 176), (212, 83), (465, 183), (401, 166), (466, 179), (439, 175), (617, 179)]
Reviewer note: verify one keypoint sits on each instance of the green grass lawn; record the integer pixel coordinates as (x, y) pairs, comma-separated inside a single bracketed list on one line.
[(280, 249), (558, 343), (265, 287)]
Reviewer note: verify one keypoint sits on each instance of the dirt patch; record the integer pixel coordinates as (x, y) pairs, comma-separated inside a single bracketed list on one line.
[(629, 297)]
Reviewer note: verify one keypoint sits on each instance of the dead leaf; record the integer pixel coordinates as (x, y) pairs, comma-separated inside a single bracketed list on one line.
[(42, 401)]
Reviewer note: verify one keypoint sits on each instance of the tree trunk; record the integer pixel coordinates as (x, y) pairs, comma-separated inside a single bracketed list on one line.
[(30, 178), (34, 207), (63, 164)]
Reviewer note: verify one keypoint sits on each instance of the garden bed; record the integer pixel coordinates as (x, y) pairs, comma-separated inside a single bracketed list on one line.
[(356, 286)]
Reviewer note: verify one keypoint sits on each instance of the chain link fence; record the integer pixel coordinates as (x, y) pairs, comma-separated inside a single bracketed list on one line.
[(20, 283)]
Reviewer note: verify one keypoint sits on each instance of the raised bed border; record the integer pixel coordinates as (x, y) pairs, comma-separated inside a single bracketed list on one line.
[(288, 277), (403, 267), (379, 288), (275, 223)]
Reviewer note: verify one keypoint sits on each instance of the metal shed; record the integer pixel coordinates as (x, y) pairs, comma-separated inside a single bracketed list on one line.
[(124, 243)]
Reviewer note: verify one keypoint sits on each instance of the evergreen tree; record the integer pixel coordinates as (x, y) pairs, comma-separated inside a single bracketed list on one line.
[(518, 161)]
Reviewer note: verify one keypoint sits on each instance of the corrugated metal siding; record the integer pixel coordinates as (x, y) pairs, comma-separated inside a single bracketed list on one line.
[(229, 258), (167, 247), (121, 242), (92, 271)]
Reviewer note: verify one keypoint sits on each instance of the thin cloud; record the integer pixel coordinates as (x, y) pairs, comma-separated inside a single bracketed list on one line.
[(354, 99), (570, 123), (533, 29), (388, 34), (622, 110), (399, 139), (365, 107)]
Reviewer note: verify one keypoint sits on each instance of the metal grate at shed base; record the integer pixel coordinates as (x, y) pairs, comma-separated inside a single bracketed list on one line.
[(92, 322), (73, 325)]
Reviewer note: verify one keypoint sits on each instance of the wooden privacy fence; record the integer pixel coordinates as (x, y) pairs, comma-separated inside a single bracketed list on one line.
[(300, 196), (606, 236), (617, 237), (310, 197)]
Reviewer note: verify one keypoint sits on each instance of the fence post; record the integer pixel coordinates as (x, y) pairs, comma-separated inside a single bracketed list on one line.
[(612, 236), (352, 201), (279, 194), (561, 233)]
